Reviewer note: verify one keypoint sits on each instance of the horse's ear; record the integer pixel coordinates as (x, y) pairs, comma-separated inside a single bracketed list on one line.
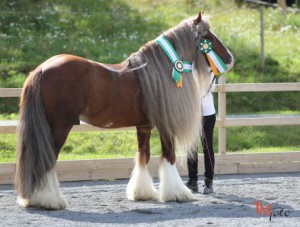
[(199, 18)]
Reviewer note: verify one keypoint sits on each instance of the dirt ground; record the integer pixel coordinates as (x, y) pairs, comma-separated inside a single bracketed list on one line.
[(103, 203)]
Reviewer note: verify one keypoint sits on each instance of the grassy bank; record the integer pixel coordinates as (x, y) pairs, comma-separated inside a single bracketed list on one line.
[(123, 144), (109, 31)]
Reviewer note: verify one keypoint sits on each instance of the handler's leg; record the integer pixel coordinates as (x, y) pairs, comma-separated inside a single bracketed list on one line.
[(192, 163), (209, 157)]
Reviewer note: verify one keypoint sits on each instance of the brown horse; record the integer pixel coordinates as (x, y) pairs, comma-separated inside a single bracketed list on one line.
[(137, 92)]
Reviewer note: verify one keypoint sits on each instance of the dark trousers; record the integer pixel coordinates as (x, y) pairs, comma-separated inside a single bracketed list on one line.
[(207, 146)]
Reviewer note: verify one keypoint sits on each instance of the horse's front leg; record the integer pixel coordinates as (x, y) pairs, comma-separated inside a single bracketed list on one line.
[(140, 186), (171, 187)]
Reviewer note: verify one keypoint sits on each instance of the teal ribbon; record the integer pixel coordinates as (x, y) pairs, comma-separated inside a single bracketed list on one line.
[(178, 65), (206, 47)]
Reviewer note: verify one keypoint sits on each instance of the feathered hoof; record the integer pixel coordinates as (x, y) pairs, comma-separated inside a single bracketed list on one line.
[(171, 187), (181, 195), (140, 186), (23, 202), (46, 196), (52, 203), (139, 194)]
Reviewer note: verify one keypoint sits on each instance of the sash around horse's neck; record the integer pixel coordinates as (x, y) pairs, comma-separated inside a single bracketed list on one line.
[(205, 46), (178, 65)]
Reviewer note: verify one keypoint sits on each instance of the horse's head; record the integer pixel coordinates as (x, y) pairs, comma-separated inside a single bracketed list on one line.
[(202, 32)]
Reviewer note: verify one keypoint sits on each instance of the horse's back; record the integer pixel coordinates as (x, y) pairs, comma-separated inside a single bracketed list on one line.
[(72, 86)]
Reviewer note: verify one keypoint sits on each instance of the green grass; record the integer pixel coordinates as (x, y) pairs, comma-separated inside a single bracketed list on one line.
[(263, 138), (9, 116), (109, 31), (89, 145), (123, 144)]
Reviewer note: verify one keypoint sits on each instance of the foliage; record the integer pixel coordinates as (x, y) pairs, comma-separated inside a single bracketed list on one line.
[(31, 31), (109, 31)]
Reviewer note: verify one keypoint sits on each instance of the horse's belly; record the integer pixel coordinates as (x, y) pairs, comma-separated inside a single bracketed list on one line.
[(98, 123), (115, 120)]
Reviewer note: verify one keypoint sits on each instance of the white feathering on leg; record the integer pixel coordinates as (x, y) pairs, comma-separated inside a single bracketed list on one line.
[(140, 185), (171, 187), (47, 195)]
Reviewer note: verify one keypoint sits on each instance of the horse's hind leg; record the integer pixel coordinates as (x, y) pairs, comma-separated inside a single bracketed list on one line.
[(48, 194), (171, 187), (140, 186)]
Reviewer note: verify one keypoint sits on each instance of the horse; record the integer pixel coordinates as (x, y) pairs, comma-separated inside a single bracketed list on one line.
[(138, 92)]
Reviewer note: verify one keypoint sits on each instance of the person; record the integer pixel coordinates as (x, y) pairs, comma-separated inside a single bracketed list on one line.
[(209, 120)]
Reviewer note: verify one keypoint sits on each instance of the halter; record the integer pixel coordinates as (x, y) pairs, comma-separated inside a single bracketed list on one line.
[(178, 65)]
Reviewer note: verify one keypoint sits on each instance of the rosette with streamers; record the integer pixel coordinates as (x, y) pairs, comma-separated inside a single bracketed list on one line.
[(216, 63), (178, 65)]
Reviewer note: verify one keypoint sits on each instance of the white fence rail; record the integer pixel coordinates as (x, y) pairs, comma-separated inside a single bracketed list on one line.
[(225, 163)]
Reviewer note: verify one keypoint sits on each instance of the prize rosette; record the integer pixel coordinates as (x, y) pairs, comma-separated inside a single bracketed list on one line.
[(215, 62)]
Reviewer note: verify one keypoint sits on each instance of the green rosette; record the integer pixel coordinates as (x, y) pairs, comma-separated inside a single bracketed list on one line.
[(205, 46)]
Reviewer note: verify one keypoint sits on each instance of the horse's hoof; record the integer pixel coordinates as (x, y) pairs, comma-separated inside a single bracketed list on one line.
[(140, 186), (57, 203), (149, 194), (23, 202), (53, 203), (171, 186), (182, 195)]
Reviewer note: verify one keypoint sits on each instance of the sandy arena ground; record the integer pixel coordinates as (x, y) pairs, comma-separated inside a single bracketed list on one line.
[(103, 203)]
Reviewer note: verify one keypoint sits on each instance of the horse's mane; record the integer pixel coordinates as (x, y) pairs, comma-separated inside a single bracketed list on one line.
[(176, 112)]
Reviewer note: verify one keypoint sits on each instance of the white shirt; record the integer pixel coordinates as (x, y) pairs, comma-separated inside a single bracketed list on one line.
[(208, 107)]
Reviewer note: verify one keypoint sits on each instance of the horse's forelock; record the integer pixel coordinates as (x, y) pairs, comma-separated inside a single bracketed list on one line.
[(202, 27)]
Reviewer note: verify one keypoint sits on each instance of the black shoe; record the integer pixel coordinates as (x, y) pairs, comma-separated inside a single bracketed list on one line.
[(208, 188), (192, 184)]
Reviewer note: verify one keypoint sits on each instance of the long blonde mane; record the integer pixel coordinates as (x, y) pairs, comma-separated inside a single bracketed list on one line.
[(176, 112)]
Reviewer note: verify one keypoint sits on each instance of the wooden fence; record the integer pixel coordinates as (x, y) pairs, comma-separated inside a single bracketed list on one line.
[(225, 163)]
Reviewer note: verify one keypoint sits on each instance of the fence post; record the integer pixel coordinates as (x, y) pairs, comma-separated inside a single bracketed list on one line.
[(262, 39), (222, 115)]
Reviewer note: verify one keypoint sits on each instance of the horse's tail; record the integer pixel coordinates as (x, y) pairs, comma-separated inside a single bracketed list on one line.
[(35, 151)]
